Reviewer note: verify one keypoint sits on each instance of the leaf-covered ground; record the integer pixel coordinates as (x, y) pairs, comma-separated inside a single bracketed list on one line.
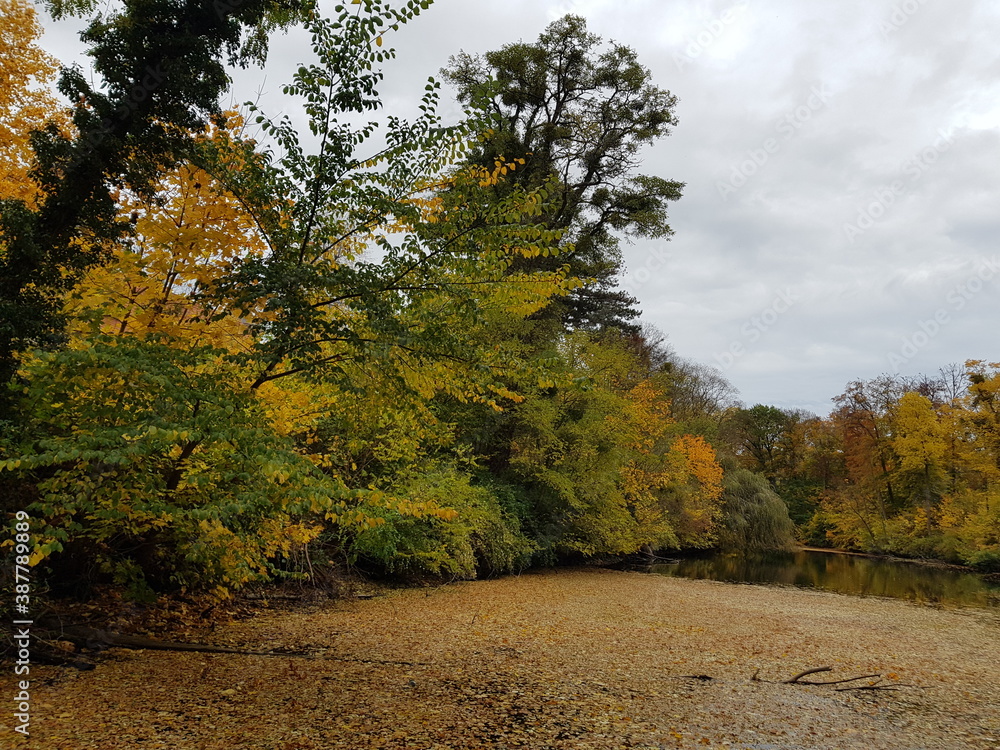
[(571, 659)]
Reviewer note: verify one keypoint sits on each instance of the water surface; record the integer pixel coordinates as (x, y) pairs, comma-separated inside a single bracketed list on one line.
[(845, 574)]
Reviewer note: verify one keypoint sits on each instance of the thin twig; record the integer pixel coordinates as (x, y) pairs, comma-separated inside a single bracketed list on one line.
[(800, 675), (871, 687), (838, 682)]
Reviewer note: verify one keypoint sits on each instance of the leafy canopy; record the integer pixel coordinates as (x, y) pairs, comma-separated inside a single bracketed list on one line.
[(578, 114)]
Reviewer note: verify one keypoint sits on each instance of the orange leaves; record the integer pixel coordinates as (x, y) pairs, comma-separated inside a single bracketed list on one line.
[(701, 477), (701, 464), (490, 178), (188, 239)]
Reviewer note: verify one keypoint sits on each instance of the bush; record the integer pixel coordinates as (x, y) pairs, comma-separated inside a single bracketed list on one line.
[(155, 468), (484, 539), (984, 560)]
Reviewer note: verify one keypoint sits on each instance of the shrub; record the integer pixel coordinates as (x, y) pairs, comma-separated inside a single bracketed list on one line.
[(151, 466), (484, 539)]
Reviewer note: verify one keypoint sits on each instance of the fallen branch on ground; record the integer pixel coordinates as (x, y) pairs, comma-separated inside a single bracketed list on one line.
[(797, 679), (98, 640), (874, 686), (800, 675)]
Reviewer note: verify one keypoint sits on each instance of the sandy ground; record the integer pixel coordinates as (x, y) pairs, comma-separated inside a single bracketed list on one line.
[(569, 659)]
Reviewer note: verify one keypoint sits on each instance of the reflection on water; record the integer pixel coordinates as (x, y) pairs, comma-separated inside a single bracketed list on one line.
[(845, 574)]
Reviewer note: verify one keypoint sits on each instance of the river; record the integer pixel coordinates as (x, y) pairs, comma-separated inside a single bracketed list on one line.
[(859, 575)]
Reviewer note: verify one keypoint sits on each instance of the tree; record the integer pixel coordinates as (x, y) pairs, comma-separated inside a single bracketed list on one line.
[(920, 443), (699, 394), (759, 434), (864, 416), (578, 115), (983, 416), (26, 103), (26, 106), (162, 69), (754, 518), (906, 465), (151, 466), (244, 295), (606, 468)]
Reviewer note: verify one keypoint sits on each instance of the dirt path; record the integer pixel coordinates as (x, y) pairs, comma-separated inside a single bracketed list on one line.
[(572, 659)]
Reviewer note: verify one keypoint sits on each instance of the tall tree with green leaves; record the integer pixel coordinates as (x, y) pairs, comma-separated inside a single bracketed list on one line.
[(579, 113), (757, 434)]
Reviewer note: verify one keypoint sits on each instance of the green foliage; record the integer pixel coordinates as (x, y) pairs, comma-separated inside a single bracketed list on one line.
[(176, 472), (754, 516), (801, 496), (578, 115), (161, 66), (484, 539), (986, 560), (416, 308), (153, 462), (286, 325), (602, 462), (758, 433)]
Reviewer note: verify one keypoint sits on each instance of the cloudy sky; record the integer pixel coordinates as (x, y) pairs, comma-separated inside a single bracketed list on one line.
[(842, 160)]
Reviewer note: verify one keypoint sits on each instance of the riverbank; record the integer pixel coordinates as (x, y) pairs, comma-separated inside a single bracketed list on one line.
[(839, 572), (930, 562), (572, 659)]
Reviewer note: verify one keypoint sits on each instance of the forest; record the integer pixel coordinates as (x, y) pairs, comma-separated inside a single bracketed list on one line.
[(903, 465), (234, 351)]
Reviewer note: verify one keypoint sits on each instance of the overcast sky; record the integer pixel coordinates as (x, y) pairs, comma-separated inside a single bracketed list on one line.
[(842, 160)]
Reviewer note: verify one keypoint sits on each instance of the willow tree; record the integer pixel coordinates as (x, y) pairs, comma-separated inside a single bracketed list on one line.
[(754, 516)]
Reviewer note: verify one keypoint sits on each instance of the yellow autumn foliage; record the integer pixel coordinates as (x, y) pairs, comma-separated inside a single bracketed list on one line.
[(27, 76)]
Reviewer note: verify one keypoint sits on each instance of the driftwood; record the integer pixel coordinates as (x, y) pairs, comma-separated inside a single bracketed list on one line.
[(46, 651), (800, 675), (875, 686), (797, 679), (99, 640)]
